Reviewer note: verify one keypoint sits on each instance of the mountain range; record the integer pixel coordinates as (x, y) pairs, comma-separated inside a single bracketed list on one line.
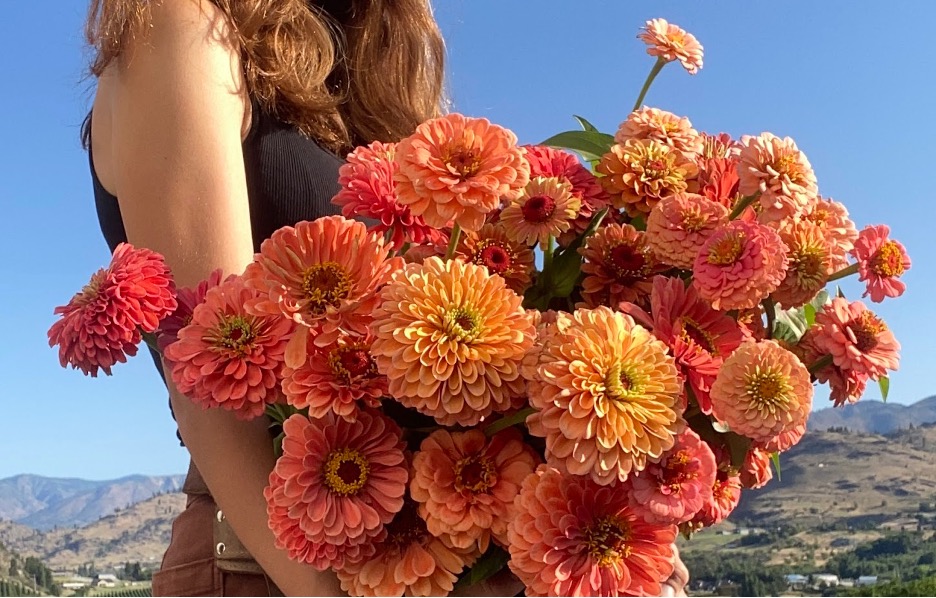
[(875, 417)]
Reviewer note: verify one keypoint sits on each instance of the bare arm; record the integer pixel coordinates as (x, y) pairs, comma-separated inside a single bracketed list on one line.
[(177, 106)]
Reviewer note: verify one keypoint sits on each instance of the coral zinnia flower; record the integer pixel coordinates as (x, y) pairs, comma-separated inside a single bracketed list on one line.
[(762, 390), (458, 169), (718, 180), (756, 472), (679, 225), (881, 261), (342, 480), (809, 263), (671, 42), (554, 163), (662, 126), (780, 172), (641, 172), (546, 208), (608, 395), (188, 299), (490, 247), (409, 561), (103, 322), (739, 264), (337, 378), (466, 484), (323, 274), (572, 537), (699, 337), (839, 230), (726, 493), (368, 189), (846, 386), (676, 487), (450, 337), (619, 266), (856, 338), (227, 357)]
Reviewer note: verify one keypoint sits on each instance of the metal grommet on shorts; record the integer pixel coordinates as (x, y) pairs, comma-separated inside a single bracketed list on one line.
[(219, 548), (220, 516)]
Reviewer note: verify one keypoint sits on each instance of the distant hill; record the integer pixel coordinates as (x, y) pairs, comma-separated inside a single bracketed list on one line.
[(874, 416), (44, 503)]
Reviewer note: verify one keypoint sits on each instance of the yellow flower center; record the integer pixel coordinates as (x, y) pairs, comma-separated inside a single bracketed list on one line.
[(888, 260), (495, 256), (691, 332), (727, 249), (809, 265), (538, 209), (680, 469), (622, 383), (324, 285), (350, 362), (768, 390), (346, 471), (693, 220), (628, 263), (606, 540), (866, 329), (475, 474), (463, 162), (89, 292), (462, 324), (786, 164), (235, 334)]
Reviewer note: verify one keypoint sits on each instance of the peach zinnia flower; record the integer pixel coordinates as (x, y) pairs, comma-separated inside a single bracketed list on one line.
[(490, 247), (188, 299), (619, 266), (762, 390), (809, 264), (856, 338), (339, 378), (368, 189), (458, 169), (344, 481), (662, 126), (546, 208), (679, 225), (839, 230), (641, 172), (756, 472), (671, 42), (103, 323), (450, 337), (410, 561), (699, 337), (675, 488), (227, 357), (572, 537), (465, 484), (739, 264), (881, 262), (780, 172), (608, 394)]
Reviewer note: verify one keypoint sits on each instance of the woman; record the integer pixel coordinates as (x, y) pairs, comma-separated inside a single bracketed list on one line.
[(214, 124)]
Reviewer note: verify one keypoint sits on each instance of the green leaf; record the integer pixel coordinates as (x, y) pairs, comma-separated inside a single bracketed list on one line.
[(587, 126), (790, 325), (775, 458), (738, 446), (640, 223), (810, 313), (278, 445), (720, 427), (590, 144), (884, 385), (491, 562)]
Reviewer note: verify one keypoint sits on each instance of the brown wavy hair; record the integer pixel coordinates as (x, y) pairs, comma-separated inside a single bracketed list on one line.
[(345, 72)]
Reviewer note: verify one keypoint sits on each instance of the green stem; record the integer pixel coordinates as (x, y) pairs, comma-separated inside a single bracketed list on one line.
[(657, 67), (511, 420), (822, 362), (771, 310), (453, 242), (548, 254), (846, 271), (743, 203), (150, 339)]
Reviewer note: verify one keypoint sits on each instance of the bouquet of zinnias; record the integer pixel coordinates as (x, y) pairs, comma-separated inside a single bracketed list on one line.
[(448, 408)]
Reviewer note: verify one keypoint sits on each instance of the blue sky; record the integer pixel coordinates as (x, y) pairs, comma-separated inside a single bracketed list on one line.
[(852, 83)]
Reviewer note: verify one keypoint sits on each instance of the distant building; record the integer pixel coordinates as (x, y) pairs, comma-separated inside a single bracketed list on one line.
[(104, 580), (797, 581), (866, 580), (826, 578)]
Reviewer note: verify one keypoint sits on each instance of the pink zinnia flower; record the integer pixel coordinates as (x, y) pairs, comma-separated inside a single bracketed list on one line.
[(227, 357), (662, 126), (343, 481), (188, 299), (103, 323), (699, 337), (323, 274), (619, 266), (671, 42), (368, 189), (739, 264), (856, 338), (832, 218), (675, 488), (881, 262), (458, 169), (762, 390), (465, 484), (780, 172), (339, 378), (756, 472), (572, 537), (679, 225)]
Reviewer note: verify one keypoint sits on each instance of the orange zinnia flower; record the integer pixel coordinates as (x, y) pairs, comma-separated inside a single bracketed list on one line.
[(809, 263), (619, 266), (641, 172), (856, 338), (662, 126), (490, 247), (546, 208), (832, 219)]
